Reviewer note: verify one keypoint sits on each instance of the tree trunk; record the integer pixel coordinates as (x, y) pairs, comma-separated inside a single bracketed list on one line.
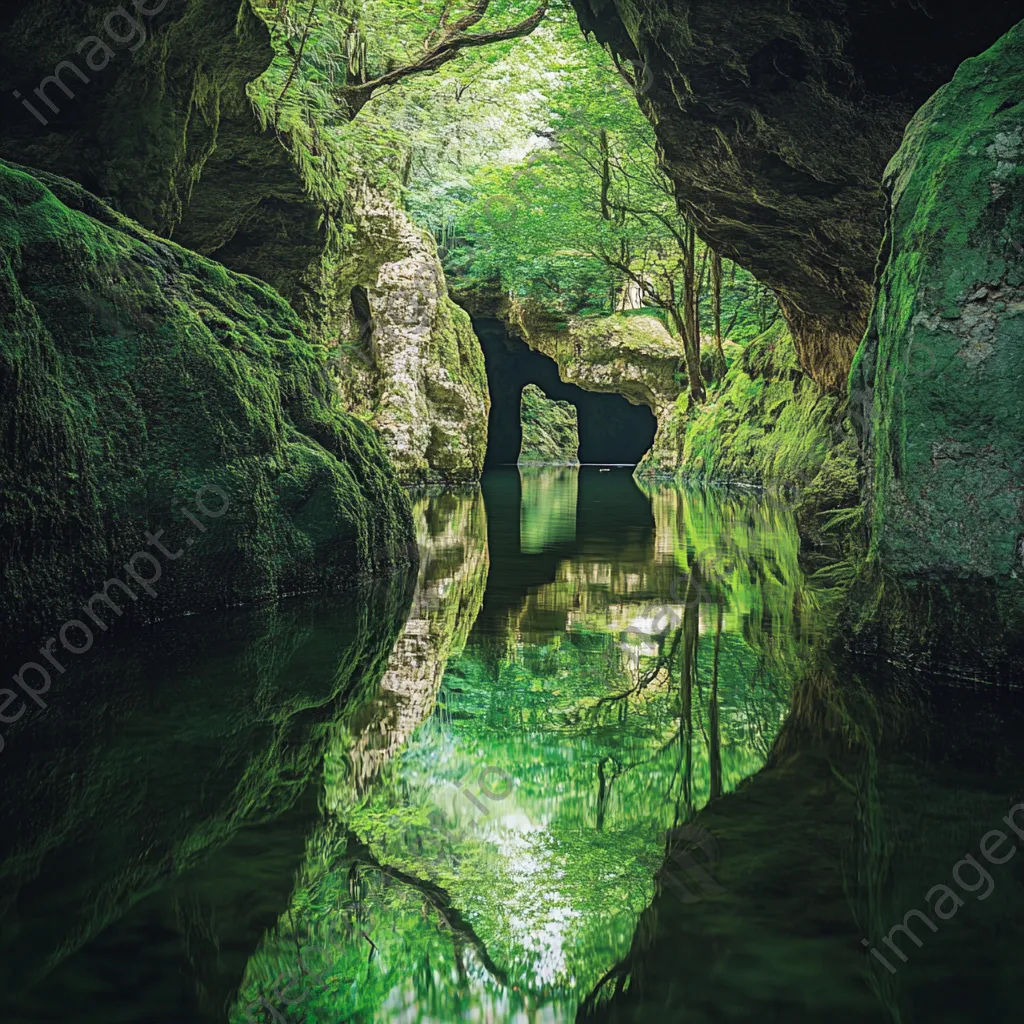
[(690, 354), (606, 175), (716, 290), (691, 316)]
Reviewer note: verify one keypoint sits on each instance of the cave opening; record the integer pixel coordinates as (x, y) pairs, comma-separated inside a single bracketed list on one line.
[(611, 429)]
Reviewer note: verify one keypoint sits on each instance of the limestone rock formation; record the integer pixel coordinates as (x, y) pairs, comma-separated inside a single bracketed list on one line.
[(628, 355), (408, 361), (551, 433), (165, 131), (937, 380), (777, 119), (135, 373), (197, 167)]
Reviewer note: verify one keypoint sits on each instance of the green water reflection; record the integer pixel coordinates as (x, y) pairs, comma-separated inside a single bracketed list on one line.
[(585, 666)]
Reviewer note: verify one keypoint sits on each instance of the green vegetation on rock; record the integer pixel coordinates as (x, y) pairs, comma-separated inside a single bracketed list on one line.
[(407, 360), (937, 378), (134, 373), (769, 424), (550, 430)]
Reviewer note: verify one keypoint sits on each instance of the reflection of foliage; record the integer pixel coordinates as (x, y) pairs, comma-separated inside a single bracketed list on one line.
[(608, 749)]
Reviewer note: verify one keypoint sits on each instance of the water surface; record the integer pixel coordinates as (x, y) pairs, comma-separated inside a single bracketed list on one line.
[(601, 757)]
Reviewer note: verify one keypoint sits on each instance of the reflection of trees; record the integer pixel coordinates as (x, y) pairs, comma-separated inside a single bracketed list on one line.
[(451, 531), (612, 749), (438, 899)]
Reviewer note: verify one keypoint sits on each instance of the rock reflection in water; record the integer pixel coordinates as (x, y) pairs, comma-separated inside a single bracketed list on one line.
[(429, 893)]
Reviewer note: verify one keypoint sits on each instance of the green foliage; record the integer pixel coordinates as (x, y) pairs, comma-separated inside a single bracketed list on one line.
[(769, 424), (550, 429), (499, 153)]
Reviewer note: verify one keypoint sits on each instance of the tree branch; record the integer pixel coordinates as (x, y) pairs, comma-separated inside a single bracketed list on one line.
[(437, 897), (453, 41)]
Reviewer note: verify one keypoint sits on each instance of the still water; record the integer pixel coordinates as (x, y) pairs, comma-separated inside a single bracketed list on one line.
[(603, 758)]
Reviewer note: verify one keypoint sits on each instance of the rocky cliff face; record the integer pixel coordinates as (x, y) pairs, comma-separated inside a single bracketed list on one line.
[(935, 387), (408, 361), (168, 134), (141, 382), (160, 124), (937, 381), (550, 430), (777, 120)]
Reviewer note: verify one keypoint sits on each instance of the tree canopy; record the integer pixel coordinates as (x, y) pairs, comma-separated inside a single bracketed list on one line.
[(520, 145)]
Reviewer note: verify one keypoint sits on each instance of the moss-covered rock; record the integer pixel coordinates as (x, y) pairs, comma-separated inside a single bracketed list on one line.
[(937, 380), (626, 354), (135, 373), (165, 131), (768, 424), (776, 121), (407, 360), (551, 433)]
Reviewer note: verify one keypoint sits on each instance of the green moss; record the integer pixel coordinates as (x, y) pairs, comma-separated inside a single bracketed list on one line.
[(551, 433), (936, 384), (134, 373), (769, 424)]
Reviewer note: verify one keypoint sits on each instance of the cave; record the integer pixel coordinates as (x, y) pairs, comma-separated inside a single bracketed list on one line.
[(612, 430), (757, 264)]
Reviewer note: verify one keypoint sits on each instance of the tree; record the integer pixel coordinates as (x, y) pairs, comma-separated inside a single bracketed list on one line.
[(386, 42), (443, 44)]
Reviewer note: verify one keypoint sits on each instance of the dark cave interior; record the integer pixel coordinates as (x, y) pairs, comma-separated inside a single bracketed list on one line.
[(612, 430)]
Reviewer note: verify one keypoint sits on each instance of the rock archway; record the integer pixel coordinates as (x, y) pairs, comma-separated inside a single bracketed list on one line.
[(611, 429)]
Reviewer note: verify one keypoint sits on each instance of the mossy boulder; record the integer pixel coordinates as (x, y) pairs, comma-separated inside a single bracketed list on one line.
[(133, 374), (937, 381), (551, 433)]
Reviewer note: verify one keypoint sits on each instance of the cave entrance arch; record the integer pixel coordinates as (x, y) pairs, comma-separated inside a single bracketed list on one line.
[(612, 431)]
